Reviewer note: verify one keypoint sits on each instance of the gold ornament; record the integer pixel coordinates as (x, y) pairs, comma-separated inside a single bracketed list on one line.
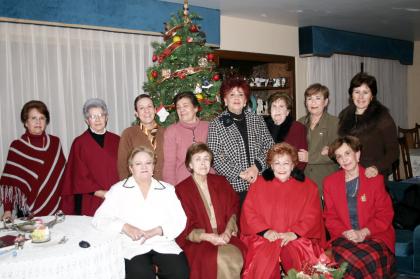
[(203, 62), (176, 39), (199, 96)]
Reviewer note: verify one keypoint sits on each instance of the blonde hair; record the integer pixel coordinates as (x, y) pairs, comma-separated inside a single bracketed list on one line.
[(139, 149)]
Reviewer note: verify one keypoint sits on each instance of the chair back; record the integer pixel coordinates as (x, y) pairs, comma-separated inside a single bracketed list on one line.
[(411, 135), (405, 156)]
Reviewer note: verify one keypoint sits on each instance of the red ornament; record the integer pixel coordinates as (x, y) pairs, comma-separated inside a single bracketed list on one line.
[(189, 40), (182, 76), (154, 57), (216, 77), (155, 74), (193, 28), (210, 56)]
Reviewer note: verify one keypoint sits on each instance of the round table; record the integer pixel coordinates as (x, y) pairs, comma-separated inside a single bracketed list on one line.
[(103, 259)]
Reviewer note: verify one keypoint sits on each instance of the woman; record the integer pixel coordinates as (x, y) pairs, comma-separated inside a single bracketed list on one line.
[(238, 139), (146, 214), (92, 165), (210, 238), (179, 136), (367, 119), (358, 215), (322, 131), (147, 133), (31, 177), (282, 126), (281, 219)]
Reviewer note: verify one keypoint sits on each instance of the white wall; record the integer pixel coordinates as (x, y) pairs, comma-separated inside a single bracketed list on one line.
[(255, 36), (413, 86)]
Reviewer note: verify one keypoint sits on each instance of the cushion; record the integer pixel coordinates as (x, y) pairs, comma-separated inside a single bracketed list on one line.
[(403, 243)]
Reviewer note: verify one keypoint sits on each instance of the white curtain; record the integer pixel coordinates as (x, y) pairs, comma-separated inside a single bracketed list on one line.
[(63, 67), (336, 72)]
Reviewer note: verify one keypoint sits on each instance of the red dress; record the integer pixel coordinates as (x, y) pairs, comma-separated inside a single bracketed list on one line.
[(290, 206), (202, 256), (89, 168)]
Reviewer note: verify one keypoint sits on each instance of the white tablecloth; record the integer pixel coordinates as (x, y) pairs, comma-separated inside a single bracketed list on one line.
[(103, 259), (415, 161)]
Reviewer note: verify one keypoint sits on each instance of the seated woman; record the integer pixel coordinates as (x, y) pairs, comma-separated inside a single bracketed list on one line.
[(282, 126), (149, 217), (281, 218), (30, 182), (358, 215), (92, 165), (212, 206)]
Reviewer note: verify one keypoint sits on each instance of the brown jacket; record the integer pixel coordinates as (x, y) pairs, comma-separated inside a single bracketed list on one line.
[(133, 137), (377, 133)]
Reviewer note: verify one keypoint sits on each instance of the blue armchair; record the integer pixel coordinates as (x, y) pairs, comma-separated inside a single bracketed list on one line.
[(407, 246)]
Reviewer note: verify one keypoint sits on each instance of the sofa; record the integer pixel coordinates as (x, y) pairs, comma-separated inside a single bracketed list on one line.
[(407, 246)]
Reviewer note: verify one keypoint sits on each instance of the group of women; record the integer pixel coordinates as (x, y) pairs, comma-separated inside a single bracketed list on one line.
[(252, 195)]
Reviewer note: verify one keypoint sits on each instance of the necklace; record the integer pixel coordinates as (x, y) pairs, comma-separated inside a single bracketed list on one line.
[(355, 188)]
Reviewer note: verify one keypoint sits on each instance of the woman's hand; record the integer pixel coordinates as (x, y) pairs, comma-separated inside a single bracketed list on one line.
[(134, 233), (100, 194), (324, 151), (153, 232), (287, 237), (213, 238), (271, 235), (250, 174), (371, 171), (7, 215), (226, 236), (303, 155), (357, 235)]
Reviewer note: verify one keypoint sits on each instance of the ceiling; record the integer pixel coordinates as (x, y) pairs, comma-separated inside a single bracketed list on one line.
[(398, 19)]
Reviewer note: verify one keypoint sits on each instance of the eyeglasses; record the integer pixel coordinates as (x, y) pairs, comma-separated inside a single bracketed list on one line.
[(97, 116)]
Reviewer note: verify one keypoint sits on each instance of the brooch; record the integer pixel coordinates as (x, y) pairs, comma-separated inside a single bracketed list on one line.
[(363, 198), (226, 120)]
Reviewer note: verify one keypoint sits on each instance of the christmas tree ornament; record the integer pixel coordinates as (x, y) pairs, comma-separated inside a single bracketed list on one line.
[(162, 113), (176, 39), (210, 56), (198, 89), (154, 57), (202, 62), (199, 96), (216, 77), (155, 74), (189, 40), (193, 28), (166, 73)]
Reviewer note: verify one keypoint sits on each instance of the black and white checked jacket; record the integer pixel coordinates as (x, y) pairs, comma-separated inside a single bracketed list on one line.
[(226, 142)]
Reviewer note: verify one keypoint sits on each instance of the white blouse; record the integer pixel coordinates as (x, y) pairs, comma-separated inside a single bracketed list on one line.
[(124, 203)]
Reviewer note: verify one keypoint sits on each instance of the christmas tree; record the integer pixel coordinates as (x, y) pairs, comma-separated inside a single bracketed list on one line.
[(183, 63)]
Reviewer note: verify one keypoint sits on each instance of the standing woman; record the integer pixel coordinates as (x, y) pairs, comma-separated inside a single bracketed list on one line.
[(179, 136), (147, 133), (30, 182), (212, 207), (92, 165), (321, 132), (238, 139), (282, 126), (146, 216), (370, 121), (358, 215)]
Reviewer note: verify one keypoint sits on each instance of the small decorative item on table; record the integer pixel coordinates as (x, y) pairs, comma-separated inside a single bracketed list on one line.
[(41, 234), (323, 269)]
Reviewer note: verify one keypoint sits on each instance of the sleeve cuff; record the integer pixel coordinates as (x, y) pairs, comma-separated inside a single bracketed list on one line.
[(258, 165), (194, 235)]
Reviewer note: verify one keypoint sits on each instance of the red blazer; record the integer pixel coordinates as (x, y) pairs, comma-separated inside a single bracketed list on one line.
[(374, 207)]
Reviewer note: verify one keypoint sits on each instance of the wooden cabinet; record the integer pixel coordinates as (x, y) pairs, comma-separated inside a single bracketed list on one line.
[(265, 73)]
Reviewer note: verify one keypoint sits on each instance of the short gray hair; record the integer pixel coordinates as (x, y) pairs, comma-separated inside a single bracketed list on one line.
[(94, 103)]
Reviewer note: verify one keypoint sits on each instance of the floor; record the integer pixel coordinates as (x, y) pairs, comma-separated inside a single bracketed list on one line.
[(407, 277)]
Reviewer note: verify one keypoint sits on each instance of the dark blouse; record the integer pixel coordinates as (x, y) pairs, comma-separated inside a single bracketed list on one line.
[(352, 187)]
